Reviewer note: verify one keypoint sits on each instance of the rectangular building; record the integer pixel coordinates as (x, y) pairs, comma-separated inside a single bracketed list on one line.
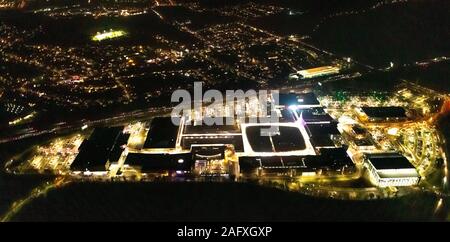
[(318, 71), (391, 169), (377, 114), (102, 147)]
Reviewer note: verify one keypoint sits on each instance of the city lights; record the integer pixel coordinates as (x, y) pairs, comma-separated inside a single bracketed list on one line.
[(140, 98)]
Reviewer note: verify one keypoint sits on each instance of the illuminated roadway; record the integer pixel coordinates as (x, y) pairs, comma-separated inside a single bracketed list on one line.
[(120, 118), (35, 193)]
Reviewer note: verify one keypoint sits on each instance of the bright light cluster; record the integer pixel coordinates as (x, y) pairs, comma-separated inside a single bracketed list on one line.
[(108, 35)]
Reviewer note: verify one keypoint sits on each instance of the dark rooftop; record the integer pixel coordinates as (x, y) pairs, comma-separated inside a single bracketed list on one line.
[(363, 142), (359, 130), (118, 147), (333, 158), (311, 115), (322, 129), (329, 158), (95, 151), (286, 116), (384, 112), (287, 139), (321, 141), (214, 128), (160, 162), (162, 133), (389, 161)]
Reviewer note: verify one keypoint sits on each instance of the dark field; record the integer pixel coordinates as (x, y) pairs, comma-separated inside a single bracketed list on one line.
[(400, 33), (192, 19), (434, 76), (15, 187), (368, 31), (212, 202), (76, 31)]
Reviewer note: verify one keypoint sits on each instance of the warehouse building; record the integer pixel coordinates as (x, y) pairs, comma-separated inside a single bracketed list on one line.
[(380, 114), (391, 169), (103, 147)]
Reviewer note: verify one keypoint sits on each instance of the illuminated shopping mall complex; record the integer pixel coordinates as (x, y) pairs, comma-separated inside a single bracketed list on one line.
[(314, 139)]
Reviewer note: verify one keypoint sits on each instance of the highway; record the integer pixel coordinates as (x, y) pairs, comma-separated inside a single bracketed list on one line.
[(63, 127)]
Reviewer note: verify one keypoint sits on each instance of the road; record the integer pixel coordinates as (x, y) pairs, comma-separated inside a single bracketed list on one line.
[(60, 127), (35, 193)]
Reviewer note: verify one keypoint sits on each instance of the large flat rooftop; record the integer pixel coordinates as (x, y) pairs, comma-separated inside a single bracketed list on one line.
[(281, 138), (389, 161), (328, 159), (160, 162), (314, 115), (286, 139), (384, 112), (95, 152), (203, 128), (162, 133)]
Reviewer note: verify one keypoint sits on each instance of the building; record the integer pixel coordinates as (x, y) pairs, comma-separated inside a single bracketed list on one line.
[(179, 163), (360, 138), (391, 169), (315, 115), (210, 160), (323, 135), (162, 134), (318, 71), (300, 140), (329, 161), (380, 114), (201, 134), (103, 147), (276, 140), (364, 144)]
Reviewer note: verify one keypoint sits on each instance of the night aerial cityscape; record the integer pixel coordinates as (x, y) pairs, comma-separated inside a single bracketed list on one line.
[(224, 110)]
